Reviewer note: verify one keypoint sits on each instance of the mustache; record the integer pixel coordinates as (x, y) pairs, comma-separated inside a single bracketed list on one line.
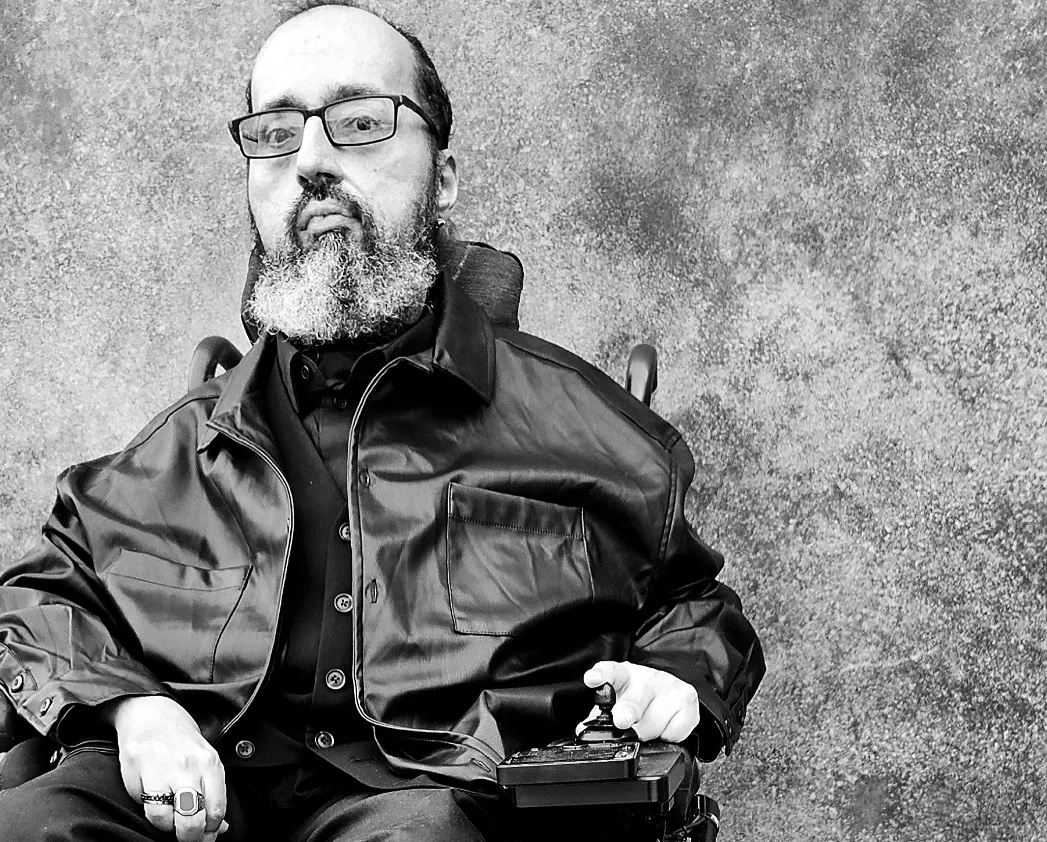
[(352, 206)]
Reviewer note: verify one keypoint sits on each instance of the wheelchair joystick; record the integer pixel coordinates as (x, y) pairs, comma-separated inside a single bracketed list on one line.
[(650, 783), (602, 728)]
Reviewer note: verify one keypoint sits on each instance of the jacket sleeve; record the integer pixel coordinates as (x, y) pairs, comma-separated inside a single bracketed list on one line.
[(59, 644), (693, 625)]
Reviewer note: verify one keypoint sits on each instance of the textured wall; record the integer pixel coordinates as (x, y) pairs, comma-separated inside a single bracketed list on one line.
[(830, 218)]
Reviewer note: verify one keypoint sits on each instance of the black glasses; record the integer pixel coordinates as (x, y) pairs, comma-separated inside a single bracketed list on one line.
[(356, 121)]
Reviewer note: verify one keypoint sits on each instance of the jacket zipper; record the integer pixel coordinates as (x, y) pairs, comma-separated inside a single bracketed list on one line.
[(99, 746), (430, 734), (283, 574)]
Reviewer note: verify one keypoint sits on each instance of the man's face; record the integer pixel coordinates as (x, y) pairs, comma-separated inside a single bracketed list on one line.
[(321, 56), (347, 231)]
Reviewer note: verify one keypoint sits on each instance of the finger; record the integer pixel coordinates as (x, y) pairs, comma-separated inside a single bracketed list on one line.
[(633, 700), (211, 837), (615, 673), (212, 785), (681, 726), (656, 717), (189, 828), (160, 816)]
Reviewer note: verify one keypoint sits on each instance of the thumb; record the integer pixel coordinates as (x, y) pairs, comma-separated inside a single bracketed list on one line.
[(615, 673)]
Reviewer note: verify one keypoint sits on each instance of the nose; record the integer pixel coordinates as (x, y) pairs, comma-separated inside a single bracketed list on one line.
[(316, 160)]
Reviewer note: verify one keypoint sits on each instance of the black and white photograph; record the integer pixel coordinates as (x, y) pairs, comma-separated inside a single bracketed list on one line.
[(527, 421)]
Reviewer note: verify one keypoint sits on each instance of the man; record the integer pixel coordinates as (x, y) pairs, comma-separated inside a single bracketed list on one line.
[(322, 596)]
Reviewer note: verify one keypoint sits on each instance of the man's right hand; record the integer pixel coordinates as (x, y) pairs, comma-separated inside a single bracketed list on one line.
[(162, 751)]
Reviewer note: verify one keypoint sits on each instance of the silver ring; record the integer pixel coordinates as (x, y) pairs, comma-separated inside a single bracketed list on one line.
[(158, 798), (188, 801)]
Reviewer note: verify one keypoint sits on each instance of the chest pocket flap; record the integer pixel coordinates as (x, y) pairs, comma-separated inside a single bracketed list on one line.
[(178, 611), (513, 560)]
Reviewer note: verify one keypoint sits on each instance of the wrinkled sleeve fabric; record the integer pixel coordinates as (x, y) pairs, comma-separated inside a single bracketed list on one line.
[(693, 624), (59, 635)]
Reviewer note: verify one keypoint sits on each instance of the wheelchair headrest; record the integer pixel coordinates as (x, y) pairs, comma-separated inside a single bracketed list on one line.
[(492, 278)]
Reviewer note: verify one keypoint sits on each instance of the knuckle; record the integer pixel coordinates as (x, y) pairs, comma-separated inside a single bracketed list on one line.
[(161, 821), (179, 758), (206, 758)]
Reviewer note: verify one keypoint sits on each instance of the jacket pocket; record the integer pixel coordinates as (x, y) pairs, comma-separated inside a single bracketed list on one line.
[(177, 611), (512, 560), (88, 747)]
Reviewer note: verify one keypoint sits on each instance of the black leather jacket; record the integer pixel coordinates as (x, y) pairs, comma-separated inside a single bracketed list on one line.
[(516, 516)]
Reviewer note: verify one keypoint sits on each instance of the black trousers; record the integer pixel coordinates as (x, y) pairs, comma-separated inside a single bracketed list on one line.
[(84, 800)]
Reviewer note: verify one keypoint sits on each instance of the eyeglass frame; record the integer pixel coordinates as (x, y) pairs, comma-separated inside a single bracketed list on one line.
[(397, 99)]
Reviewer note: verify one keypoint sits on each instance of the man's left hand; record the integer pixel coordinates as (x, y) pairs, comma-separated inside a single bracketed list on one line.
[(655, 704)]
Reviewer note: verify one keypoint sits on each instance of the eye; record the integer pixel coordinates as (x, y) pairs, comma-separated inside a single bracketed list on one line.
[(362, 123), (277, 136), (360, 120), (274, 132)]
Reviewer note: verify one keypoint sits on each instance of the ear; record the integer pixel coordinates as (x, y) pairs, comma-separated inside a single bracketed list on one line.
[(447, 181)]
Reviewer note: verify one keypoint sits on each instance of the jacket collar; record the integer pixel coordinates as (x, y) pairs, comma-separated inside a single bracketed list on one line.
[(464, 349), (464, 346)]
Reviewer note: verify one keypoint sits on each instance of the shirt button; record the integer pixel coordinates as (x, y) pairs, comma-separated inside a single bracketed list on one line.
[(18, 682), (343, 603), (45, 706), (340, 403), (245, 749), (325, 739), (345, 532), (335, 680), (365, 477)]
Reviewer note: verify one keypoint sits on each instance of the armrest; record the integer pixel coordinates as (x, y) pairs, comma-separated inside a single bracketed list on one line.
[(211, 352)]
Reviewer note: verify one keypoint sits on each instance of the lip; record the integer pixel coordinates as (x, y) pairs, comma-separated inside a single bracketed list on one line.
[(321, 217)]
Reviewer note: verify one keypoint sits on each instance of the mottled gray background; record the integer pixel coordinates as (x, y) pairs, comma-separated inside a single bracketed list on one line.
[(828, 216)]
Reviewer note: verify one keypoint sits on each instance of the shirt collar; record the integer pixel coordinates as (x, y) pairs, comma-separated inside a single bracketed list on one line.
[(464, 349), (311, 373)]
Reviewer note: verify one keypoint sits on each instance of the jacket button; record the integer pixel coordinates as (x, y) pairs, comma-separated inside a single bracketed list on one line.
[(305, 372), (18, 683), (335, 680), (345, 532), (365, 477), (343, 603), (45, 705), (340, 403), (245, 749), (324, 739)]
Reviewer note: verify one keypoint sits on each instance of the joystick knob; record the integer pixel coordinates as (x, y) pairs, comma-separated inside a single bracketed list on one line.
[(605, 698), (602, 728)]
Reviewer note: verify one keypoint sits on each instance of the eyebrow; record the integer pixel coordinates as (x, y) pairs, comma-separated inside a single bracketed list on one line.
[(332, 94)]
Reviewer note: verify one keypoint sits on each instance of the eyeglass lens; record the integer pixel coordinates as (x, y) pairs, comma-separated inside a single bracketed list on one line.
[(351, 123)]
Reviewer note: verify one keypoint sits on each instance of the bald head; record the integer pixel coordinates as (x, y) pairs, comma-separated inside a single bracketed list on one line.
[(352, 30), (314, 57)]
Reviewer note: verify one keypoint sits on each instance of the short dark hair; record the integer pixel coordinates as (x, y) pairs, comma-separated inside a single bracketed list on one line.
[(431, 90)]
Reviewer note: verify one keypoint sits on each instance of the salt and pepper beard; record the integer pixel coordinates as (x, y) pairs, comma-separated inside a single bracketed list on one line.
[(339, 289)]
